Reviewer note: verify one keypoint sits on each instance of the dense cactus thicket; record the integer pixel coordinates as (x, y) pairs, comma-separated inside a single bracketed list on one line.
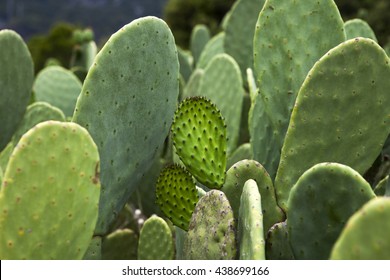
[(268, 140)]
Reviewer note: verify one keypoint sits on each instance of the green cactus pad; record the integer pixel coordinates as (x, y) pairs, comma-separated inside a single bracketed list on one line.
[(127, 104), (236, 177), (212, 48), (277, 245), (222, 84), (252, 86), (176, 195), (341, 114), (36, 113), (94, 251), (16, 79), (366, 234), (50, 193), (200, 35), (121, 244), (199, 136), (185, 61), (380, 188), (211, 235), (58, 87), (358, 28), (5, 154), (242, 152), (155, 241), (180, 236), (320, 204), (192, 87), (282, 59), (240, 29), (250, 224)]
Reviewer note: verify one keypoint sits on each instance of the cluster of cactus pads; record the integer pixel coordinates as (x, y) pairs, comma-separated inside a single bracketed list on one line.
[(267, 141)]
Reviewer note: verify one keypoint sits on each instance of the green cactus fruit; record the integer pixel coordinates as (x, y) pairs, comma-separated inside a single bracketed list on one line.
[(121, 244), (380, 188), (211, 235), (16, 80), (366, 234), (186, 61), (58, 87), (155, 241), (50, 194), (200, 35), (127, 104), (281, 65), (212, 48), (250, 224), (334, 118), (320, 204), (94, 251), (277, 246), (199, 136), (358, 28), (36, 113), (176, 195), (242, 152), (236, 177), (222, 84), (192, 87), (240, 30), (180, 236)]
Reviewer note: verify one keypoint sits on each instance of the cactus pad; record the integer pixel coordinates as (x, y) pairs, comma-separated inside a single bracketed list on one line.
[(341, 114), (121, 244), (211, 235), (212, 48), (250, 224), (236, 177), (200, 35), (127, 104), (16, 79), (176, 195), (94, 251), (152, 248), (277, 245), (199, 136), (320, 204), (366, 234), (50, 194), (358, 28)]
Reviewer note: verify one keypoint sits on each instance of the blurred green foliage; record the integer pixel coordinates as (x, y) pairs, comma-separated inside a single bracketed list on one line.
[(183, 15)]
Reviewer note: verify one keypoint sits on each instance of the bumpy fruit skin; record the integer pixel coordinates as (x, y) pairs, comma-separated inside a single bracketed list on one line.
[(199, 135), (341, 113), (50, 193), (281, 64), (366, 235), (16, 80), (212, 231), (277, 245), (358, 28), (320, 204), (250, 224), (176, 194), (155, 241), (127, 104)]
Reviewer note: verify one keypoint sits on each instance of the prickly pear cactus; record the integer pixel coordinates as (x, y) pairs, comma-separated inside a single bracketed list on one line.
[(242, 152), (176, 195), (200, 35), (277, 245), (16, 80), (36, 113), (52, 174), (58, 87), (152, 248), (127, 104), (281, 65), (320, 204), (250, 224), (199, 136), (334, 118), (222, 84), (236, 177), (366, 235), (358, 28), (180, 237), (121, 244), (94, 251), (212, 48), (192, 87), (211, 235), (186, 61)]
